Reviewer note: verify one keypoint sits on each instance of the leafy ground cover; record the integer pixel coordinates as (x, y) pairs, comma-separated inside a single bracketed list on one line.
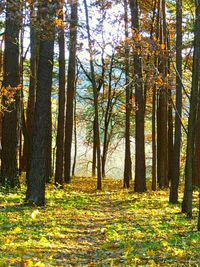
[(83, 227)]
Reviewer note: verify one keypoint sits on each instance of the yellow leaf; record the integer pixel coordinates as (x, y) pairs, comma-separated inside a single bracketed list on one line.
[(58, 22), (152, 263), (162, 46), (39, 264), (34, 214), (150, 252), (165, 243), (179, 252), (17, 230)]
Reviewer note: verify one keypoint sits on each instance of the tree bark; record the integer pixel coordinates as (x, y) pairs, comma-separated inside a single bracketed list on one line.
[(127, 160), (95, 96), (49, 144), (11, 81), (32, 89), (140, 171), (162, 109), (37, 174), (61, 109), (196, 165), (177, 139), (187, 198), (71, 78)]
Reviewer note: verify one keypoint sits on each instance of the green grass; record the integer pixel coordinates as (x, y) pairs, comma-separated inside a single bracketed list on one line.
[(83, 227)]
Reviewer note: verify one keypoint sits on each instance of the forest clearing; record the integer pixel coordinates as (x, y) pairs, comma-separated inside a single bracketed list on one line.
[(81, 226)]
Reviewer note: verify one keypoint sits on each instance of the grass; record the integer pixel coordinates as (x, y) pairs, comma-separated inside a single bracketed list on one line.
[(83, 227)]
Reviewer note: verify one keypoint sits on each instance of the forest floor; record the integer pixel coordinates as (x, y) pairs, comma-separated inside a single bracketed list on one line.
[(83, 227)]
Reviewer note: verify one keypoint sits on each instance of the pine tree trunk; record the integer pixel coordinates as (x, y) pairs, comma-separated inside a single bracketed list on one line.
[(37, 173), (49, 145), (198, 224), (127, 160), (61, 111), (95, 96), (170, 136), (162, 109), (71, 78), (11, 81), (32, 90), (196, 165), (94, 151), (140, 171), (154, 176), (187, 198), (75, 138), (177, 139)]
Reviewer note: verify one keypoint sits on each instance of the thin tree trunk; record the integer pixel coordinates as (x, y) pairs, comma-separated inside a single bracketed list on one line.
[(154, 176), (162, 117), (177, 140), (196, 160), (49, 145), (154, 102), (94, 150), (95, 95), (75, 138), (108, 114), (21, 101), (170, 136), (127, 160), (61, 111), (32, 89), (198, 224), (187, 198), (71, 79)]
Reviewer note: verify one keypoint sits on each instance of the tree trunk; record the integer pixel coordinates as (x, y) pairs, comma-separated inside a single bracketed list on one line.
[(37, 172), (32, 90), (177, 140), (154, 176), (61, 110), (71, 78), (127, 160), (49, 144), (11, 81), (198, 224), (95, 96), (94, 150), (140, 172), (75, 138), (162, 109), (196, 165), (155, 18), (170, 136), (187, 198)]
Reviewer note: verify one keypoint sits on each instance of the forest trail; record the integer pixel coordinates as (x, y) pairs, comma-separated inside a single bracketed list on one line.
[(83, 227)]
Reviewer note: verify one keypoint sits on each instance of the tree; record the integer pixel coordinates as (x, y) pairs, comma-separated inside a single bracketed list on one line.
[(162, 109), (140, 175), (71, 78), (95, 96), (37, 173), (127, 161), (28, 122), (187, 198), (11, 82), (177, 139), (61, 107)]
